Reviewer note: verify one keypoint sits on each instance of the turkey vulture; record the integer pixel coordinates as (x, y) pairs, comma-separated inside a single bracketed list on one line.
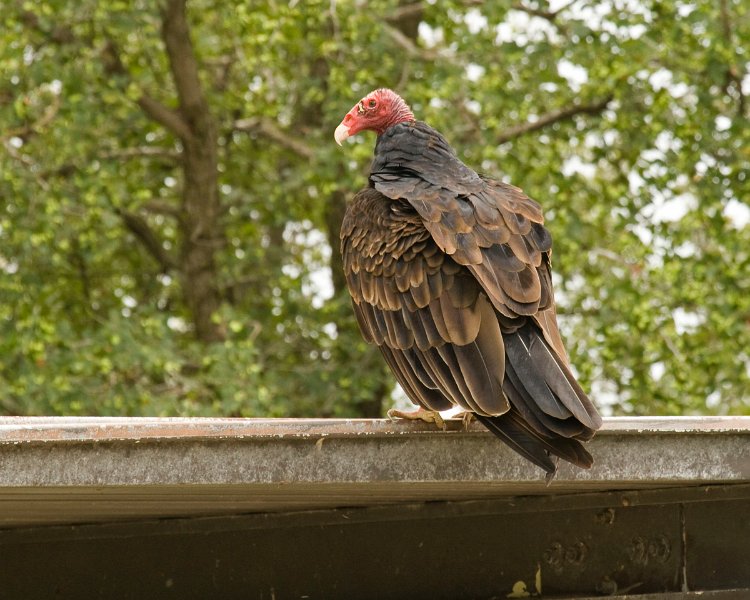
[(449, 272)]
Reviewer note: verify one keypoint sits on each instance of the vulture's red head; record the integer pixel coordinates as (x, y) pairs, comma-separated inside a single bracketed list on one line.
[(376, 112)]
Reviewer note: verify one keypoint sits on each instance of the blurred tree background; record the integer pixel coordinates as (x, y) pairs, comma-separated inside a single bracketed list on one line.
[(170, 193)]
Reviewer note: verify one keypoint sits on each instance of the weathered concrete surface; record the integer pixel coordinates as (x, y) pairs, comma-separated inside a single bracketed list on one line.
[(74, 470)]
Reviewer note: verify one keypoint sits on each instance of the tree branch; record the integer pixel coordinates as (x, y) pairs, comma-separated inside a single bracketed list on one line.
[(633, 266), (138, 226), (223, 68), (409, 46), (163, 208), (154, 109), (165, 116), (549, 15), (267, 128), (182, 57), (67, 169), (30, 165), (29, 129), (60, 34), (552, 117), (733, 75), (415, 10), (140, 152), (726, 22), (79, 262), (182, 62), (406, 11)]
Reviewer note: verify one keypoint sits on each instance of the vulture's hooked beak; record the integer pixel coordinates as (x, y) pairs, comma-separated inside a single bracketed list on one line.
[(341, 133)]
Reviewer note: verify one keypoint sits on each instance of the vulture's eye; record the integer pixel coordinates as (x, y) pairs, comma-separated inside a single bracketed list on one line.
[(372, 103)]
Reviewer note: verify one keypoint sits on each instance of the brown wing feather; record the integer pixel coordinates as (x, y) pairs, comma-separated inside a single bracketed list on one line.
[(440, 335)]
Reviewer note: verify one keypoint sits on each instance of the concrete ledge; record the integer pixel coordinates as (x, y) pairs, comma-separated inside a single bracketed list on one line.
[(340, 509), (77, 470)]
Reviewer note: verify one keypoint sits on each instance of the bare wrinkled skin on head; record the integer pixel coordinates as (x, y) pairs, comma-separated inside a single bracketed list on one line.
[(377, 111)]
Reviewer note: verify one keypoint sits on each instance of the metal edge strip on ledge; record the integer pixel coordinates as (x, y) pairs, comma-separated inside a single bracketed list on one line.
[(54, 429)]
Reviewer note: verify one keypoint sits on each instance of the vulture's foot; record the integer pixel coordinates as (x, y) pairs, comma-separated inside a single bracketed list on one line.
[(466, 417), (428, 416)]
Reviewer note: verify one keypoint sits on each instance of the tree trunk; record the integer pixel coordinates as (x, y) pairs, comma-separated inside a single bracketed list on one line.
[(201, 236), (201, 233)]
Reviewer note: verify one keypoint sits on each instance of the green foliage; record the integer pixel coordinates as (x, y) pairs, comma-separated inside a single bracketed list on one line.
[(652, 265)]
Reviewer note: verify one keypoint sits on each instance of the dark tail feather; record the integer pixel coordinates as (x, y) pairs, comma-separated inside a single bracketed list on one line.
[(512, 430), (509, 431), (547, 379)]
